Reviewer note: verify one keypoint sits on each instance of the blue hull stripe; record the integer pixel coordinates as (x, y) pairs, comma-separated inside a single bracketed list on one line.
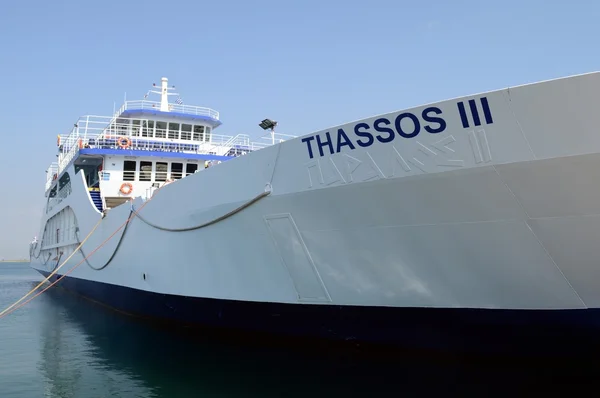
[(187, 116), (427, 328), (163, 154)]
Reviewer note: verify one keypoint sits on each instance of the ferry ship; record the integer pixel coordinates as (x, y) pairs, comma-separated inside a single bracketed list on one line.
[(474, 212)]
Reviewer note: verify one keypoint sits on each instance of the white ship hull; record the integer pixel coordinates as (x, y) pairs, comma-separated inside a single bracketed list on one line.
[(488, 214)]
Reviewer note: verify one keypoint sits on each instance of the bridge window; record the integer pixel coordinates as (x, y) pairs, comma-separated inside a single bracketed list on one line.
[(190, 168), (207, 135), (148, 128), (176, 170), (186, 132), (121, 128), (145, 171), (129, 170), (135, 129), (174, 131), (161, 130), (198, 133), (161, 171)]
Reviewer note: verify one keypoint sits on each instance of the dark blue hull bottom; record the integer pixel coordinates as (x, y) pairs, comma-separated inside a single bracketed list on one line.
[(464, 330)]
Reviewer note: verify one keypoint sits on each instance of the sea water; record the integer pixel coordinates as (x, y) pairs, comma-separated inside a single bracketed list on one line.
[(60, 345)]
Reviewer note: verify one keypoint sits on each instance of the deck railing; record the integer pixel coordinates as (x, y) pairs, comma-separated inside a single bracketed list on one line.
[(165, 145), (102, 132), (155, 106), (64, 160), (51, 174)]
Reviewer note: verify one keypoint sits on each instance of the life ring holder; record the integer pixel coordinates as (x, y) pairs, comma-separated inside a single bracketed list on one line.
[(124, 142), (126, 188)]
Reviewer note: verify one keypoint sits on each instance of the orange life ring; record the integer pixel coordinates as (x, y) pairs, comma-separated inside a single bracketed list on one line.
[(124, 142), (126, 188)]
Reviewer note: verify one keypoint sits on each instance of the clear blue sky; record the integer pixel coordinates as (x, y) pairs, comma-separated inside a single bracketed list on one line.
[(308, 64)]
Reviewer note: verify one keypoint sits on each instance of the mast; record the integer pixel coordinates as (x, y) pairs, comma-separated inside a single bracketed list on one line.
[(164, 95)]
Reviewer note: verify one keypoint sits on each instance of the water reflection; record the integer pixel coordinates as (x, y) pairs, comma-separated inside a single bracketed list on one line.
[(88, 348), (80, 353)]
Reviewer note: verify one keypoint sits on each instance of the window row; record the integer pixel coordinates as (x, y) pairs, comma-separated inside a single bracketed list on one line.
[(156, 129), (156, 171)]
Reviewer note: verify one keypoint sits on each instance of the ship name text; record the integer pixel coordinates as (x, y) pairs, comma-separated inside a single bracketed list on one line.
[(405, 125)]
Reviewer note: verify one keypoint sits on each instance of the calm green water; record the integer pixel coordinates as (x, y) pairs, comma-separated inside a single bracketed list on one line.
[(60, 345)]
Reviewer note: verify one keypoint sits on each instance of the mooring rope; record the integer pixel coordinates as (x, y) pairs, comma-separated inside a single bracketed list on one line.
[(14, 306), (136, 214), (52, 273), (126, 224), (206, 224)]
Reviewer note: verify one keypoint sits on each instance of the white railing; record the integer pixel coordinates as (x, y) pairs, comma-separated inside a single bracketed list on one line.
[(50, 175), (73, 143), (222, 144), (278, 137), (155, 106), (104, 132)]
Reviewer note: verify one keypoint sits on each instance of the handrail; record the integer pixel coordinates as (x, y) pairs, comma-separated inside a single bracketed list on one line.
[(93, 126), (65, 158), (153, 105), (219, 145), (51, 172)]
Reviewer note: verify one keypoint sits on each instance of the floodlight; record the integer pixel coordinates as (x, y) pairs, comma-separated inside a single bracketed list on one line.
[(268, 124)]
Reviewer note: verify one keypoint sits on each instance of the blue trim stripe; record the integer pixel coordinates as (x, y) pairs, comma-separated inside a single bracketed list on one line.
[(134, 112), (145, 144), (175, 155)]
